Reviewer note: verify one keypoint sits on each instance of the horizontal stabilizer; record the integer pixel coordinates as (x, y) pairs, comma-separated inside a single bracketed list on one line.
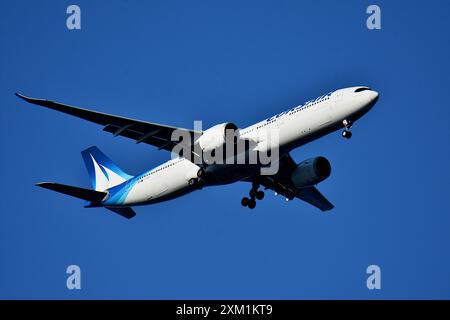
[(125, 212), (81, 193)]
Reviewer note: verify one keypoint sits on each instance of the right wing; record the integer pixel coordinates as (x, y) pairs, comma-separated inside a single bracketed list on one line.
[(282, 184), (155, 134), (315, 198)]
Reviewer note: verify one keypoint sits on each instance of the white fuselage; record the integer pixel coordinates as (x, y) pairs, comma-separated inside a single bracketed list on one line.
[(295, 127)]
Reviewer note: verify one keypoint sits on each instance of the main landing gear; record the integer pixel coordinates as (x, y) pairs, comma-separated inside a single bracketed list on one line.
[(254, 194), (198, 182), (347, 134)]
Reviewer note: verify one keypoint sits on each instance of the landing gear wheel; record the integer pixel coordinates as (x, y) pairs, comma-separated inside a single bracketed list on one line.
[(200, 173), (347, 124), (251, 204), (260, 195), (253, 194), (200, 183), (196, 183), (346, 134)]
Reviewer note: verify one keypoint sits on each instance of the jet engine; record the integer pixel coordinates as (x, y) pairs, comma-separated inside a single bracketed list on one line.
[(217, 136), (310, 172)]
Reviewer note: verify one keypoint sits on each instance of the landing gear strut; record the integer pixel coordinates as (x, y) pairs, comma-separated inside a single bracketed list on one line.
[(254, 194), (347, 134)]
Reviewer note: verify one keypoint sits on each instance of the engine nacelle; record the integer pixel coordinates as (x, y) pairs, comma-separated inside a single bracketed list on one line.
[(311, 172), (216, 136)]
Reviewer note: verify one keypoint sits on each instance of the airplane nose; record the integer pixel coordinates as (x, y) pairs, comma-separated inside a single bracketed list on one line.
[(370, 100), (373, 96)]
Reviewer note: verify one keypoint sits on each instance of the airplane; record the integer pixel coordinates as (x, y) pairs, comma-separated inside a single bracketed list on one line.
[(118, 191)]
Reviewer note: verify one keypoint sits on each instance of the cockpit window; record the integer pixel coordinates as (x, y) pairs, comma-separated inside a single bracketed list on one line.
[(362, 89)]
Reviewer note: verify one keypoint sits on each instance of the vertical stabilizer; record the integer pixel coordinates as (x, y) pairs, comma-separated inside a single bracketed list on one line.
[(103, 172)]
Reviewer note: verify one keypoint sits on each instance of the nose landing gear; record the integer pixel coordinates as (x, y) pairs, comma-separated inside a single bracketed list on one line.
[(254, 194), (347, 134)]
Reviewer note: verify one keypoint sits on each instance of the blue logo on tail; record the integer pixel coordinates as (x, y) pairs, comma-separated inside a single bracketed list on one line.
[(103, 172)]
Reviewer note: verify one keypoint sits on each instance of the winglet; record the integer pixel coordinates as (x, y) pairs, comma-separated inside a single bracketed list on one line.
[(21, 96), (29, 99)]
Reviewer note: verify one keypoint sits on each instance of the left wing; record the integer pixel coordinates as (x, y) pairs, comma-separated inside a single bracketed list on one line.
[(282, 184), (315, 198), (155, 134)]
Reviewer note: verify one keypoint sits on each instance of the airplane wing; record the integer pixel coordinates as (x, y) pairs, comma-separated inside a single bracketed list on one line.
[(315, 198), (155, 134), (282, 184)]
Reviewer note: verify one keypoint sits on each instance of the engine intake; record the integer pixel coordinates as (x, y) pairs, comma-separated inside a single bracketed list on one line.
[(217, 136), (310, 172)]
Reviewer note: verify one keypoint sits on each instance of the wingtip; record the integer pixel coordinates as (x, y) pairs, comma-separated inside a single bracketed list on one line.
[(21, 96), (42, 184), (28, 99)]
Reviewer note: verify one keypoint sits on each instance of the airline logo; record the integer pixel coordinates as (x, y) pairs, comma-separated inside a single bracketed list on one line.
[(104, 177), (326, 96)]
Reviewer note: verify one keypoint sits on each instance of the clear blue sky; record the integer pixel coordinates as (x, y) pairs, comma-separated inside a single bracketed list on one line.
[(174, 62)]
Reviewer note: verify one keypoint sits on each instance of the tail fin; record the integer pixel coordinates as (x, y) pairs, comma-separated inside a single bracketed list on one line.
[(103, 172)]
